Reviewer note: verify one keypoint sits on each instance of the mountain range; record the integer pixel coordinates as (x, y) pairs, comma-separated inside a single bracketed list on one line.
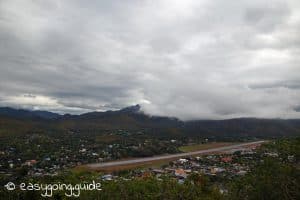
[(132, 118)]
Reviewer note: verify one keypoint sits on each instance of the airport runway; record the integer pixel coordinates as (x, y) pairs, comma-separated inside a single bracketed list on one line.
[(171, 156)]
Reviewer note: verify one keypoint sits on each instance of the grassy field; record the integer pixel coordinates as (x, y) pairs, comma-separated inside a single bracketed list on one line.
[(107, 138), (197, 147), (156, 163)]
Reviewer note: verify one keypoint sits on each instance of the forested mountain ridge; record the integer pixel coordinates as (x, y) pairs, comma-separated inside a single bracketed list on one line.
[(132, 118)]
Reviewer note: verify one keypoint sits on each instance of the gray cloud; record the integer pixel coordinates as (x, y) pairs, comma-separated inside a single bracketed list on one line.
[(190, 59), (291, 84)]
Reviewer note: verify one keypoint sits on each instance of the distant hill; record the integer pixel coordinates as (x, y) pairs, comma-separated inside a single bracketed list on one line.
[(242, 127), (21, 113), (132, 118)]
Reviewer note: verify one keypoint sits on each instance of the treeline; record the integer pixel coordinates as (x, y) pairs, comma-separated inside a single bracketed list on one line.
[(131, 119)]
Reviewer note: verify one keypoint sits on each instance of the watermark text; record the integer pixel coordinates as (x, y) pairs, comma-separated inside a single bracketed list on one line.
[(71, 190)]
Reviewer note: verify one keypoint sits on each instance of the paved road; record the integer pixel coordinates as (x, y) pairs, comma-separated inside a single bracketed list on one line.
[(155, 158)]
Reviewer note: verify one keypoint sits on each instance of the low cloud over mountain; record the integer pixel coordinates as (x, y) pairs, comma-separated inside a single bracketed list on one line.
[(191, 59)]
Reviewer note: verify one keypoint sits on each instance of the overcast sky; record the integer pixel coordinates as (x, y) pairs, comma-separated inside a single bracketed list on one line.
[(193, 59)]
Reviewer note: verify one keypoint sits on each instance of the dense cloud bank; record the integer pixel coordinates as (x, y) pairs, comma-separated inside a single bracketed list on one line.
[(189, 59)]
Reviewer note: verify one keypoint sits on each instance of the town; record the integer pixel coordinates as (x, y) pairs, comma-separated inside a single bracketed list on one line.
[(223, 165), (48, 154)]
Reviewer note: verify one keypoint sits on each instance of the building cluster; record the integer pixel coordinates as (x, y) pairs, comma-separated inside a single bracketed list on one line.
[(40, 155), (235, 162)]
